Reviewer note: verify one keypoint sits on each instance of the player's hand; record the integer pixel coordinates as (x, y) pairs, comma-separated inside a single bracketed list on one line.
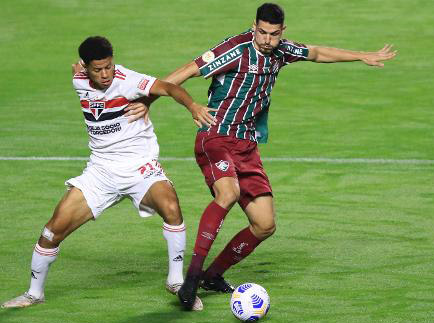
[(78, 67), (137, 110), (376, 58), (201, 115)]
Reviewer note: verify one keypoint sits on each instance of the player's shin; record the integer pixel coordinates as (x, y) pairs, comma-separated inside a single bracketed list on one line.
[(209, 226), (175, 236), (42, 258), (241, 245)]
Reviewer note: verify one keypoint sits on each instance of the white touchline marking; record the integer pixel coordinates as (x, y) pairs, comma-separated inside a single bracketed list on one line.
[(265, 159)]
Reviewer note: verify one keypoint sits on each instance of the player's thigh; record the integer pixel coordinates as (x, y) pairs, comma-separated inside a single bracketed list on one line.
[(226, 191), (253, 180), (71, 212), (214, 157), (162, 197), (261, 215)]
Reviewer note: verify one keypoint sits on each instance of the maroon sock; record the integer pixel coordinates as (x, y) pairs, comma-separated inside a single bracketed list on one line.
[(209, 225), (236, 250)]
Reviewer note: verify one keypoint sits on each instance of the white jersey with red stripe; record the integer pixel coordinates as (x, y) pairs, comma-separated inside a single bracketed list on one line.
[(111, 137)]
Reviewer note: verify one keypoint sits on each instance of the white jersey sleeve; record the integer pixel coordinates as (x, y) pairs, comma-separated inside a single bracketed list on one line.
[(137, 85)]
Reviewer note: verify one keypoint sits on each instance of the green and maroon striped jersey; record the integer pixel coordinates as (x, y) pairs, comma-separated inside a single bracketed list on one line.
[(242, 80)]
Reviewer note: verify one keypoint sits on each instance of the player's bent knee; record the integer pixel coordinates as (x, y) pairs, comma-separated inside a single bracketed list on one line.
[(270, 231), (227, 192), (264, 231), (171, 213), (49, 239), (228, 197)]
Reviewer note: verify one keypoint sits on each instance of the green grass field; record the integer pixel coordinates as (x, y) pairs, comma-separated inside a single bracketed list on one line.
[(355, 238)]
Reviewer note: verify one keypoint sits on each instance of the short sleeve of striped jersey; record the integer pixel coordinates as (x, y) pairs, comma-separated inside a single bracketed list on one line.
[(136, 84), (293, 51), (222, 58)]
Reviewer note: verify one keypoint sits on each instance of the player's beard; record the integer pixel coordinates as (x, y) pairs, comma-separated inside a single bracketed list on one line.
[(266, 49)]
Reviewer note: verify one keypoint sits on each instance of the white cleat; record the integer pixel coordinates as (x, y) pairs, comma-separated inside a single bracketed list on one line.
[(24, 300), (174, 288)]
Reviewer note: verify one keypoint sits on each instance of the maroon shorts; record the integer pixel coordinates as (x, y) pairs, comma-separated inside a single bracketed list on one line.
[(226, 156)]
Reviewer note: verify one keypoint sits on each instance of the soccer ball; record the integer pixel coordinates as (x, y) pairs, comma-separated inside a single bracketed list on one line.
[(250, 302)]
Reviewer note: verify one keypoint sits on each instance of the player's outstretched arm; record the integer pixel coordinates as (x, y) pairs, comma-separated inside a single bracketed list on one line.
[(183, 73), (321, 54), (177, 77), (200, 113)]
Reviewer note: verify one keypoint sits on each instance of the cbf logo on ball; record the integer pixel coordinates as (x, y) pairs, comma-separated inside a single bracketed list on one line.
[(96, 107), (223, 165)]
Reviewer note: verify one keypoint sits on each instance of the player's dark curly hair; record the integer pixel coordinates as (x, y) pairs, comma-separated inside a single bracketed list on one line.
[(95, 48), (271, 13)]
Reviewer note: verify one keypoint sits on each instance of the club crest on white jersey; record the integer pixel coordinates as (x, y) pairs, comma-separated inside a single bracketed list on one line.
[(96, 108)]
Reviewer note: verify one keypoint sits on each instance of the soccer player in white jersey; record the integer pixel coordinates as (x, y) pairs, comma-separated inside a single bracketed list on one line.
[(123, 163)]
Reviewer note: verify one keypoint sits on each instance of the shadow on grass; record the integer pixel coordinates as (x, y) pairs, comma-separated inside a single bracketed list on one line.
[(157, 317), (176, 313)]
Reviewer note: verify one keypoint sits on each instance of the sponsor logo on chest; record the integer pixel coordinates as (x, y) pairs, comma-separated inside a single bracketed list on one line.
[(104, 130)]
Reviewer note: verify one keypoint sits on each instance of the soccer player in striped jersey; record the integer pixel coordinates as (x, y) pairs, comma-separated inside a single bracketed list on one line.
[(243, 69), (123, 164)]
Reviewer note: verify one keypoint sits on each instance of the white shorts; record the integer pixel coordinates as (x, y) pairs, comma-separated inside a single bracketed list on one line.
[(104, 186)]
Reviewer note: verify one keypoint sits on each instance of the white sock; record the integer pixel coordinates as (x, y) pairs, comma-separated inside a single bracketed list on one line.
[(175, 237), (41, 260)]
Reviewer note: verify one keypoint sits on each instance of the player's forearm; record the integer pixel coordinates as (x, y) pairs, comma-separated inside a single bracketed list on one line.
[(177, 77), (333, 55), (183, 73), (180, 95)]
